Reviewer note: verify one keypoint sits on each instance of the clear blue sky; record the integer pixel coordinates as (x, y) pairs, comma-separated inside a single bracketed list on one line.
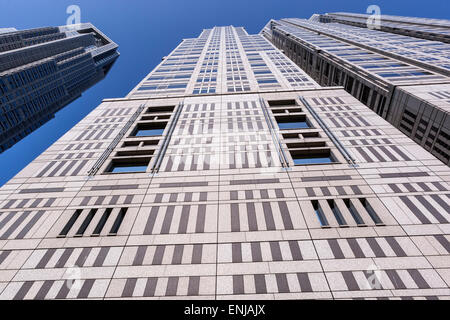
[(147, 30)]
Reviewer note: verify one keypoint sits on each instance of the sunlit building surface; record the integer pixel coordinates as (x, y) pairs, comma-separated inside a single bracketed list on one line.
[(228, 172), (402, 78)]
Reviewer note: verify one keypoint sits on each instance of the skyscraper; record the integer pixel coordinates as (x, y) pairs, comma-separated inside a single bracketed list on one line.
[(404, 79), (228, 172), (431, 29), (42, 70)]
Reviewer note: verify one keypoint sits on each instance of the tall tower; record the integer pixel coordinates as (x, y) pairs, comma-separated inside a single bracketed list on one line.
[(42, 70), (403, 78), (228, 173)]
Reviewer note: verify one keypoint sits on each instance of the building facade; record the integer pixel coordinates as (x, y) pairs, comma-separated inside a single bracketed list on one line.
[(42, 70), (402, 78), (228, 173), (425, 28)]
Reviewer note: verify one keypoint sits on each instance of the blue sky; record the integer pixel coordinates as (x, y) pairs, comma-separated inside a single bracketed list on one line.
[(147, 30)]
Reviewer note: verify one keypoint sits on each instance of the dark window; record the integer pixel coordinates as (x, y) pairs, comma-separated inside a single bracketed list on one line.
[(320, 214), (70, 223), (359, 221), (311, 157), (98, 229), (118, 221), (373, 215), (129, 165), (149, 129), (292, 122), (337, 213), (86, 223)]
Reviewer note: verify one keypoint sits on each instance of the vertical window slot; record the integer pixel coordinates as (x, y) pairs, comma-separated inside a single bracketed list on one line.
[(337, 214), (118, 221), (86, 222), (98, 229), (70, 223), (320, 214), (373, 215), (359, 221)]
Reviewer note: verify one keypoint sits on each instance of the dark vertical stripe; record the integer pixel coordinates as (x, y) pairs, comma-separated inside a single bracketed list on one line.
[(287, 222), (236, 252), (83, 256), (172, 286), (150, 287), (197, 253), (295, 250), (415, 210), (304, 282), (45, 288), (350, 281), (64, 257), (62, 294), (201, 215), (46, 257), (356, 249), (178, 254), (268, 216), (441, 238), (129, 287), (336, 249), (238, 284), (235, 222), (432, 209), (86, 288), (151, 220), (395, 279), (20, 295), (375, 247), (15, 225), (276, 251), (418, 279), (4, 255), (282, 283), (260, 284), (159, 255), (165, 229), (140, 255), (101, 257), (256, 252), (396, 247), (193, 286), (29, 225), (184, 219), (441, 202), (251, 215)]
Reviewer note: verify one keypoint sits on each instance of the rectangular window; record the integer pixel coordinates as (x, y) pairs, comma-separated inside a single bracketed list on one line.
[(294, 125), (305, 157), (129, 165), (149, 129), (292, 122), (127, 168)]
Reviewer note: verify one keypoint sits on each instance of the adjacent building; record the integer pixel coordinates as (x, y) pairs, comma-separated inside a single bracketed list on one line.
[(42, 70), (404, 79), (228, 172), (431, 29)]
